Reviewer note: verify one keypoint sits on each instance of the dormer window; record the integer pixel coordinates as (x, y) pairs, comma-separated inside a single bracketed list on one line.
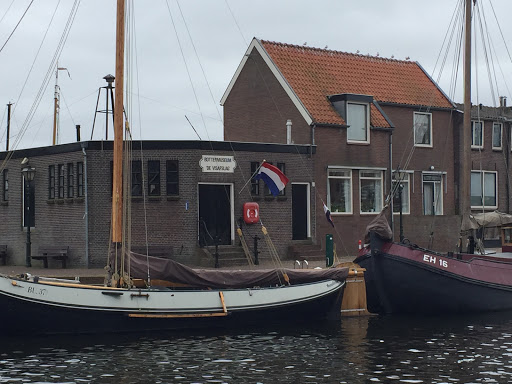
[(357, 121), (355, 110)]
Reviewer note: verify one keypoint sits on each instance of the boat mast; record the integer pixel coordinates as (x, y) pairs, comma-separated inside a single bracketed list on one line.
[(56, 105), (117, 192), (465, 175)]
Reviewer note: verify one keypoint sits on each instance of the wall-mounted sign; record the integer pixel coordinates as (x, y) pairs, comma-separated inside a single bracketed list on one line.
[(213, 163)]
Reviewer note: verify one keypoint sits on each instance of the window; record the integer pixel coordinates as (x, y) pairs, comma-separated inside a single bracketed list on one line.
[(80, 179), (370, 189), (432, 194), (357, 121), (281, 167), (71, 179), (422, 129), (477, 134), (497, 129), (255, 183), (5, 185), (172, 178), (60, 168), (51, 182), (339, 196), (154, 178), (401, 178), (483, 189), (136, 178)]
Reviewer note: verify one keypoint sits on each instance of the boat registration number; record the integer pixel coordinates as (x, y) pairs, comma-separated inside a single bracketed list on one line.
[(435, 260), (37, 291)]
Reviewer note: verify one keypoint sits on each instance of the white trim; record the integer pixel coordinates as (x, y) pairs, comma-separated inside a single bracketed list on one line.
[(483, 172), (431, 145), (255, 43), (308, 198), (473, 134), (408, 173), (357, 167), (441, 197), (367, 141), (350, 178), (381, 191), (231, 206), (501, 136)]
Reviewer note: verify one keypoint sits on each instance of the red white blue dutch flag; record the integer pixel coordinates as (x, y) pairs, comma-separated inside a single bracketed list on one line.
[(273, 177)]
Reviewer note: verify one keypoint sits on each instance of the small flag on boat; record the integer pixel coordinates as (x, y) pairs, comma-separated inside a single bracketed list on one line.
[(328, 215), (273, 177)]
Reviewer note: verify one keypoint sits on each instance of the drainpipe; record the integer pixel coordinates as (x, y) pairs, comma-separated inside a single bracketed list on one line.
[(288, 131), (86, 213), (391, 183)]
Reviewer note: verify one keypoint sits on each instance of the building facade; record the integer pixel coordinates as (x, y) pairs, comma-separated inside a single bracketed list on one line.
[(377, 123), (186, 196)]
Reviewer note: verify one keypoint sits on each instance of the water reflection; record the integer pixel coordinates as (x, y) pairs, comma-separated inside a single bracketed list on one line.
[(357, 350)]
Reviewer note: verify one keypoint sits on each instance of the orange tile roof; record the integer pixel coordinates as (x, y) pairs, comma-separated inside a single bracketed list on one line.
[(316, 73)]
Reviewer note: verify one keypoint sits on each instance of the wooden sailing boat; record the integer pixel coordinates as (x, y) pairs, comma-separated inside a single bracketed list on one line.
[(404, 278), (34, 304)]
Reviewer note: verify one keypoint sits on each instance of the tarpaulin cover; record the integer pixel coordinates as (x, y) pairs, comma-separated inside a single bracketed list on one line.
[(380, 226), (170, 270), (487, 219)]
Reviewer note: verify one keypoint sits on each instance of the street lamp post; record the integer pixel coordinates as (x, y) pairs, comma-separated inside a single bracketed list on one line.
[(28, 175)]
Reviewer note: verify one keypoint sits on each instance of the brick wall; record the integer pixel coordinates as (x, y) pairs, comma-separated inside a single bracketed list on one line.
[(168, 222), (258, 107)]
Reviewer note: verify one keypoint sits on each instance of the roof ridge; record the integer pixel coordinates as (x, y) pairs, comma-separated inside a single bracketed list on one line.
[(324, 50)]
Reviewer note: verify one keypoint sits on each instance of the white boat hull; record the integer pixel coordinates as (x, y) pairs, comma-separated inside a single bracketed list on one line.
[(41, 307)]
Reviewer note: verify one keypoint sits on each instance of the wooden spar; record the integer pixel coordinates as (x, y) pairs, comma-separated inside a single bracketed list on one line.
[(117, 181), (466, 126)]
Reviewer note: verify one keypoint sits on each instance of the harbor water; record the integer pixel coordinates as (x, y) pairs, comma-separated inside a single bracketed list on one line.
[(377, 349)]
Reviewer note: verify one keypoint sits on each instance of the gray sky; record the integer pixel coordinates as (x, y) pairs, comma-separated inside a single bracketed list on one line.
[(221, 30)]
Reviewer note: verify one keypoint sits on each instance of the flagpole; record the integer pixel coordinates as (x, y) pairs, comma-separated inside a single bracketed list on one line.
[(250, 178)]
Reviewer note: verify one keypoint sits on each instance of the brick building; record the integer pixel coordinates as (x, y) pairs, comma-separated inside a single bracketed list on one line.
[(353, 108), (186, 193), (490, 157)]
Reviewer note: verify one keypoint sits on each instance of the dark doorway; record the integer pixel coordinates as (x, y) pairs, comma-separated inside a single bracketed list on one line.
[(299, 211), (214, 214)]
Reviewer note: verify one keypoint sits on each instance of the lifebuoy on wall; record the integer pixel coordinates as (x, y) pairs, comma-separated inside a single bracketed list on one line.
[(251, 213)]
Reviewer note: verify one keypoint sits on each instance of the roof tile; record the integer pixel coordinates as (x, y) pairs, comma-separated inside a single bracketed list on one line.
[(315, 73)]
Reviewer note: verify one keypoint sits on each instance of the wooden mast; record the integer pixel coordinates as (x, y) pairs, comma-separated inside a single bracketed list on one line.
[(117, 181), (465, 176)]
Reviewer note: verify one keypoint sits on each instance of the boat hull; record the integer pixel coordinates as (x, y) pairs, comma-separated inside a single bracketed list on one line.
[(404, 279), (40, 308)]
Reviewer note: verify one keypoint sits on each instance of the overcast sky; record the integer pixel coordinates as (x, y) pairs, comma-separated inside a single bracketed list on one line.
[(221, 30)]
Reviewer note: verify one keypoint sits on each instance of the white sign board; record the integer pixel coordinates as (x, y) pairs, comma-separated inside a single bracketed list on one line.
[(221, 164)]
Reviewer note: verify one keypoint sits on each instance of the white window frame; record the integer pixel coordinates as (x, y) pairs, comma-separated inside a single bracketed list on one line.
[(381, 178), (438, 191), (431, 140), (407, 189), (349, 178), (482, 180), (501, 136), (473, 134), (367, 141)]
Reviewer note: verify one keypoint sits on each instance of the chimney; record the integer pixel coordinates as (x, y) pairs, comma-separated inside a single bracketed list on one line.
[(77, 132), (503, 101), (289, 132)]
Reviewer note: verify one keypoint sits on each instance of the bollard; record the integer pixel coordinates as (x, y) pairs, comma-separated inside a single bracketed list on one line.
[(329, 254)]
